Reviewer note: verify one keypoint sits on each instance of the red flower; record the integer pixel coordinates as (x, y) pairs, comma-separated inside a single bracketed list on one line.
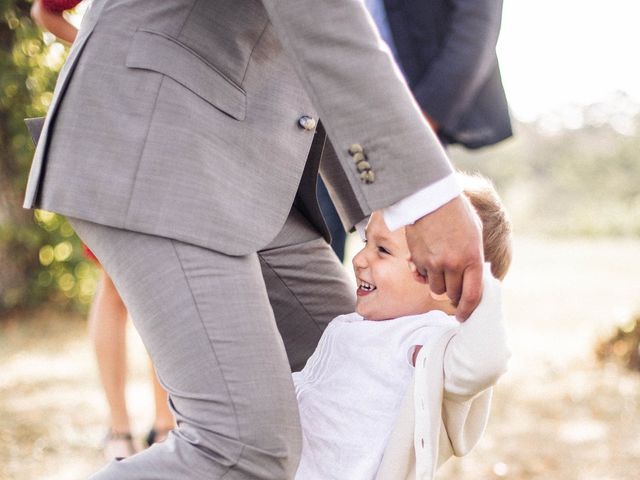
[(59, 5), (89, 254)]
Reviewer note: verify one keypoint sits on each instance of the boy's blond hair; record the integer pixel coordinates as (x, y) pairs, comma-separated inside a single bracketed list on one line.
[(496, 226)]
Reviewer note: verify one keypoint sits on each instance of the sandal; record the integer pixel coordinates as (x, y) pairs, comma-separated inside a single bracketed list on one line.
[(117, 445), (157, 435)]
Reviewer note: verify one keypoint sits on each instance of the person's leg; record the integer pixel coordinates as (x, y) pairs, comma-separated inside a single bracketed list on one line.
[(163, 422), (307, 286), (207, 324), (107, 327)]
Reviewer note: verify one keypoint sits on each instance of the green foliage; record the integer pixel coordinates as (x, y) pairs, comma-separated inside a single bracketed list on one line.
[(65, 276), (41, 257)]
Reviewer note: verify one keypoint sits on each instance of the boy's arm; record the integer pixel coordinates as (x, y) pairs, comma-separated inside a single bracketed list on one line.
[(477, 355)]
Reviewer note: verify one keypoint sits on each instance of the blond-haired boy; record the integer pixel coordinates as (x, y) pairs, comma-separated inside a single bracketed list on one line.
[(398, 386)]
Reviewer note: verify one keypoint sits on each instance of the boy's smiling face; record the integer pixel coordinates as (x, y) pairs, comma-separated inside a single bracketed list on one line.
[(387, 287)]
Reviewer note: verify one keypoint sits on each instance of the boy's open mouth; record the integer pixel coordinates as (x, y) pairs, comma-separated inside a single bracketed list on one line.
[(365, 286)]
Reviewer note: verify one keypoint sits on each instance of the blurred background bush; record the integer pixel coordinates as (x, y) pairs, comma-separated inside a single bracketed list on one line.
[(40, 256), (563, 181)]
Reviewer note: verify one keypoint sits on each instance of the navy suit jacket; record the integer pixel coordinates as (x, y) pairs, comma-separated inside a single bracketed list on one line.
[(447, 49)]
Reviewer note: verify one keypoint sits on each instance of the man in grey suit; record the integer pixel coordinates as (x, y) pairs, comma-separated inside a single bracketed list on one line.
[(183, 143)]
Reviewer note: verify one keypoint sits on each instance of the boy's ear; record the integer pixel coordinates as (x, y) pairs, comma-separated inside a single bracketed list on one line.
[(416, 275)]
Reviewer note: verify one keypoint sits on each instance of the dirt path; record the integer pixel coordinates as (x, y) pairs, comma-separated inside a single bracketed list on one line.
[(557, 414)]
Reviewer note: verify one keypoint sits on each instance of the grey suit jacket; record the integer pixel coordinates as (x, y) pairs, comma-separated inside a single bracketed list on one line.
[(187, 119)]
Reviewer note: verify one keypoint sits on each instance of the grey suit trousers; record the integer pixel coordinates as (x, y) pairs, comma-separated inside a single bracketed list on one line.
[(209, 326)]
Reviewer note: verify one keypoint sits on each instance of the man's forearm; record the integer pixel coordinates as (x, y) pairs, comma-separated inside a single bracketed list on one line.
[(361, 97), (418, 204)]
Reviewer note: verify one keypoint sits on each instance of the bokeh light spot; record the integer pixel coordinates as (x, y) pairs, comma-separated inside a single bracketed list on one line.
[(62, 251), (46, 255)]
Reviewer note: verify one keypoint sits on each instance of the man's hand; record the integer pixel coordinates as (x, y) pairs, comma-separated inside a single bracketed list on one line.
[(446, 247)]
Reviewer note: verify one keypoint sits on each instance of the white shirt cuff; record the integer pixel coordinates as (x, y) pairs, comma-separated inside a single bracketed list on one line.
[(417, 205)]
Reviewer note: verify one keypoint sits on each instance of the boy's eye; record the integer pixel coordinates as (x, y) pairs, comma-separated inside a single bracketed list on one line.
[(383, 250)]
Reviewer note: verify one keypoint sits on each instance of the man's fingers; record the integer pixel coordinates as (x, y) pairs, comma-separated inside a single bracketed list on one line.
[(453, 281), (437, 282), (471, 292), (447, 243)]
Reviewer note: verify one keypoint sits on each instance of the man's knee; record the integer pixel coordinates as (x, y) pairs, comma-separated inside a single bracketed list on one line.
[(271, 451)]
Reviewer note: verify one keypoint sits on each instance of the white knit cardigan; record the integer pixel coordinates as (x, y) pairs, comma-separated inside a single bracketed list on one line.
[(445, 411)]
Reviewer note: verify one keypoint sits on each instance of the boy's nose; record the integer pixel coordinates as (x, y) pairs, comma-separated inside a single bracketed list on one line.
[(359, 260)]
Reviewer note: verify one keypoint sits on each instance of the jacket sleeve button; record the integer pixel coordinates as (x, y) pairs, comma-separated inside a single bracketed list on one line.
[(363, 166), (355, 148), (368, 176), (358, 157)]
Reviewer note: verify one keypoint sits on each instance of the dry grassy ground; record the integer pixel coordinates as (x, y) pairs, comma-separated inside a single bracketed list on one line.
[(557, 414)]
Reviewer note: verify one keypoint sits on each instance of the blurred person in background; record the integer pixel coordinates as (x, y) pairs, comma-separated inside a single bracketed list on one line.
[(108, 314), (446, 50)]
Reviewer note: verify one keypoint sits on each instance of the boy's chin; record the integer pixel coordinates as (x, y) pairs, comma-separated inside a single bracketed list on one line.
[(360, 310), (367, 314)]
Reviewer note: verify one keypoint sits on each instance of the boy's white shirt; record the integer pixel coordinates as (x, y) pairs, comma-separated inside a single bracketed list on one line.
[(445, 411), (351, 389)]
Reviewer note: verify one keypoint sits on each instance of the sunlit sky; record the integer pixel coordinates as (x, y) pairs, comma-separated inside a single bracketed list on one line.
[(555, 52)]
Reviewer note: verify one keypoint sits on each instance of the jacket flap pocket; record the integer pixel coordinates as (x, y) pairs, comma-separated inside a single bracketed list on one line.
[(161, 53)]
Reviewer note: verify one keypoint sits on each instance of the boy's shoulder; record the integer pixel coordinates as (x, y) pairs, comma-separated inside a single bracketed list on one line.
[(347, 318)]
